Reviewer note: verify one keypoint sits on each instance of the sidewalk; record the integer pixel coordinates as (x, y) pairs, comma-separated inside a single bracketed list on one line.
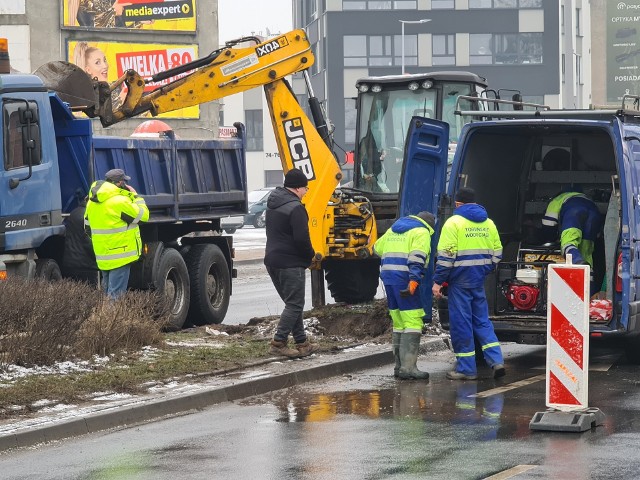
[(102, 413)]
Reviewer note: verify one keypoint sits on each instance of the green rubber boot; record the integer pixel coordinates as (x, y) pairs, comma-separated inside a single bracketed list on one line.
[(409, 348), (395, 343)]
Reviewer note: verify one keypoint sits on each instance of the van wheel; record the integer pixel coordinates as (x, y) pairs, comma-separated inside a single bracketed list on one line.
[(172, 279), (352, 281), (48, 269), (210, 284), (230, 231)]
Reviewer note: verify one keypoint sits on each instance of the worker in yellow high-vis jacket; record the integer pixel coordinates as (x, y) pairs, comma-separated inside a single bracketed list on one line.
[(112, 217), (469, 249), (404, 250)]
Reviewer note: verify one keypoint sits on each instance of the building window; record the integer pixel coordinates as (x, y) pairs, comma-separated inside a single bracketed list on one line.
[(379, 5), (515, 48), (505, 3), (273, 178), (255, 136), (443, 50), (442, 4), (379, 50), (579, 70), (578, 23), (350, 116), (563, 66)]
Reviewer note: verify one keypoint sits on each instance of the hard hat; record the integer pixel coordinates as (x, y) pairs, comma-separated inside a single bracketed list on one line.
[(151, 128)]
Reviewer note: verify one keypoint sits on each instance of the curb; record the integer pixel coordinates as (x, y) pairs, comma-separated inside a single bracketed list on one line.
[(159, 408)]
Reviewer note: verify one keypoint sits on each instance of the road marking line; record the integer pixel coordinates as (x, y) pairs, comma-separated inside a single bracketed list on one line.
[(512, 472), (511, 386)]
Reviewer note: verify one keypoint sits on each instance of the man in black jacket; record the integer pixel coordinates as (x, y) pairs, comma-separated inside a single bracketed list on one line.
[(287, 255)]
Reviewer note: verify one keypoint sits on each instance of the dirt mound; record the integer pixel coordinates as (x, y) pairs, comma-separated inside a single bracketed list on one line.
[(364, 322)]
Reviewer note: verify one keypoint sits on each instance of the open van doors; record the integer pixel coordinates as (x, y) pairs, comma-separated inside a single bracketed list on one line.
[(423, 180)]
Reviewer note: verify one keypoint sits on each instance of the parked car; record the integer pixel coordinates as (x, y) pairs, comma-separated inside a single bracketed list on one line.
[(231, 224), (257, 206)]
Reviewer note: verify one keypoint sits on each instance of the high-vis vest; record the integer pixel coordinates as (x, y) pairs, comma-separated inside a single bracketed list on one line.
[(552, 214), (112, 217), (467, 251), (404, 255)]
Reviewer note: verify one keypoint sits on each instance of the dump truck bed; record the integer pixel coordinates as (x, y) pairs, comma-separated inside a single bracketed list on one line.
[(181, 180)]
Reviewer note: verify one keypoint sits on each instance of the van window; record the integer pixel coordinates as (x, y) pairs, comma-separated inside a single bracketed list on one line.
[(16, 135)]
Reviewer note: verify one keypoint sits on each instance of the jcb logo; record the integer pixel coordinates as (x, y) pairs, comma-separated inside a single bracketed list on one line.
[(298, 148), (272, 46)]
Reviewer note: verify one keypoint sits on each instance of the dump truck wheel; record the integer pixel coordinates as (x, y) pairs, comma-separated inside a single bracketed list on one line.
[(210, 284), (48, 269), (172, 279), (352, 281)]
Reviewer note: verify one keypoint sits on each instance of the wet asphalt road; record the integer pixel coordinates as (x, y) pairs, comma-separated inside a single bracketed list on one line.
[(368, 426)]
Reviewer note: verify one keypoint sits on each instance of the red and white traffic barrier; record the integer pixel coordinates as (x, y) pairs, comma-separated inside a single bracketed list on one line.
[(568, 337), (567, 352)]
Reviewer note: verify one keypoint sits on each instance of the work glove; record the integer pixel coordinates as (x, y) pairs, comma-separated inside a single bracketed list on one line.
[(410, 290)]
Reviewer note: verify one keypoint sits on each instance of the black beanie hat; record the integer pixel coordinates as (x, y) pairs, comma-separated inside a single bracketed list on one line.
[(294, 178), (428, 218), (465, 195)]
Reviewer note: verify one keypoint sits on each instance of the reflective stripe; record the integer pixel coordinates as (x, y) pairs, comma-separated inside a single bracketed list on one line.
[(470, 263), (416, 259), (395, 255), (549, 223), (116, 256), (478, 251), (137, 219), (465, 406), (412, 330), (444, 263), (466, 354), (490, 345), (399, 268), (108, 231)]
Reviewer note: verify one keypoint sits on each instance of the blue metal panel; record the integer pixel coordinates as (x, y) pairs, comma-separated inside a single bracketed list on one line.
[(179, 179), (423, 182)]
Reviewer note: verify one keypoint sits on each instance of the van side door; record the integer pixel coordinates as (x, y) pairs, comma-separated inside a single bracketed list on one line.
[(422, 182)]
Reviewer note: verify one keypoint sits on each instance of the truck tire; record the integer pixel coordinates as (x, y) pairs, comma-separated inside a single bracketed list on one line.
[(210, 284), (172, 279), (352, 281), (48, 269), (230, 231)]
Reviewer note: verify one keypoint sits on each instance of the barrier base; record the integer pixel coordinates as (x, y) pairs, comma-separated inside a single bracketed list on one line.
[(558, 421)]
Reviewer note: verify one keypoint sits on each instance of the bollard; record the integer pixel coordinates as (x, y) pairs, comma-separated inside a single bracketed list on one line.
[(567, 367)]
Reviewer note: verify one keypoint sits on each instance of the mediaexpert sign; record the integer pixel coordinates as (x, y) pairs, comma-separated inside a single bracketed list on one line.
[(167, 15), (107, 61), (623, 49)]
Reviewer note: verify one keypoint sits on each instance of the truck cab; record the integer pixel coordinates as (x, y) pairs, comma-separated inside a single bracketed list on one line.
[(516, 166)]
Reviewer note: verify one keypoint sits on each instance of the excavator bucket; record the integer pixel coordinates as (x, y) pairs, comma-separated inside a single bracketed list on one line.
[(71, 84)]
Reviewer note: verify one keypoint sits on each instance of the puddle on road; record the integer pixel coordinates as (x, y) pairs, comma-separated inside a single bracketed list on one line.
[(408, 400)]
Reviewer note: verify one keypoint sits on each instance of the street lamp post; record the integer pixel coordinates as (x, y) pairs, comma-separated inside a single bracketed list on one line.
[(402, 22)]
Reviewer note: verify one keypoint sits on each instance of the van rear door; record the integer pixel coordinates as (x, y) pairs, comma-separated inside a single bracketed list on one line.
[(630, 246), (423, 182)]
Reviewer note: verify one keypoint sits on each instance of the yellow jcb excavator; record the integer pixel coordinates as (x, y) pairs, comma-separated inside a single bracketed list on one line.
[(341, 223)]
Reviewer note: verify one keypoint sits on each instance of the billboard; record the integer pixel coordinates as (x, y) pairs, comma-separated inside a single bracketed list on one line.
[(107, 61), (168, 15), (623, 49)]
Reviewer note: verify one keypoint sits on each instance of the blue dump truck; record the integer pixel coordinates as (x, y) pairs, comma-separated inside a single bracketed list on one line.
[(516, 166), (50, 158)]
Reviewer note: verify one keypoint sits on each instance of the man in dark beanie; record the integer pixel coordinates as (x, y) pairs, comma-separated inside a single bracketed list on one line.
[(469, 249), (404, 250), (287, 255)]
